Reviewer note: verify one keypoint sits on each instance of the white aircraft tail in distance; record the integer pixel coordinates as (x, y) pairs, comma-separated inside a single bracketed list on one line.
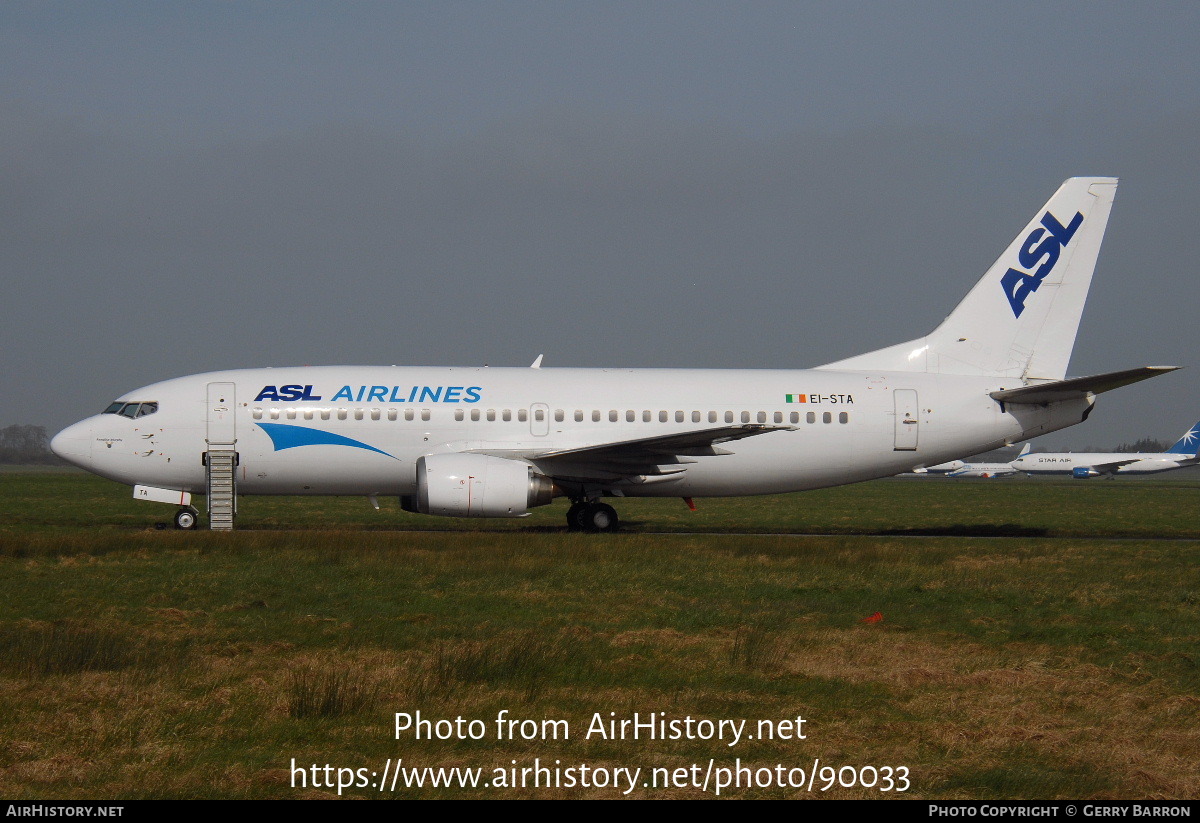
[(496, 442), (1082, 466)]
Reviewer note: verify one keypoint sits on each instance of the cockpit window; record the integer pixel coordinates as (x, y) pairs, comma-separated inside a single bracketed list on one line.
[(131, 410)]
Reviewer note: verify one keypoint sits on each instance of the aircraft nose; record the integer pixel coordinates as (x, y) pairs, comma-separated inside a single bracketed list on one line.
[(74, 444)]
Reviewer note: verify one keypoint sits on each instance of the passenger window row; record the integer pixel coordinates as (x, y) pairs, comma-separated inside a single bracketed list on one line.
[(539, 415)]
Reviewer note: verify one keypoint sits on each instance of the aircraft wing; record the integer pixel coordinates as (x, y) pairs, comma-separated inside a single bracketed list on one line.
[(662, 455), (1078, 387), (1112, 466)]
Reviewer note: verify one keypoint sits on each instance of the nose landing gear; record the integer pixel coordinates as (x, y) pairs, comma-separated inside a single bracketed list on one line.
[(187, 518)]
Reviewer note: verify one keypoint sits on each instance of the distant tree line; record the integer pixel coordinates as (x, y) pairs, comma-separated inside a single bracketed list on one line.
[(25, 445), (1146, 444)]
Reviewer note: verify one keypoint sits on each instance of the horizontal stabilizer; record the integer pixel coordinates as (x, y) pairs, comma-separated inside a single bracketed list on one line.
[(1078, 387)]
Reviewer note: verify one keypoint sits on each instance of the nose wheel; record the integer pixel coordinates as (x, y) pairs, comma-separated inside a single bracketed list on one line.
[(594, 517), (187, 518)]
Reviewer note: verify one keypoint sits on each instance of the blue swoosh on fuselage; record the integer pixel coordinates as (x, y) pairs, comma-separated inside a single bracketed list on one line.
[(284, 436)]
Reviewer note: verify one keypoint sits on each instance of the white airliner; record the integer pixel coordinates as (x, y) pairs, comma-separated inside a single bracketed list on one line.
[(1186, 452), (958, 468), (495, 442)]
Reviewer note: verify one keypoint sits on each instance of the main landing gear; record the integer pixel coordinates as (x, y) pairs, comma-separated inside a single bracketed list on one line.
[(592, 516), (187, 518)]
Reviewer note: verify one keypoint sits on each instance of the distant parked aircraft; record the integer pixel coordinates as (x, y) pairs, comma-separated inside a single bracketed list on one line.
[(1083, 466), (988, 469)]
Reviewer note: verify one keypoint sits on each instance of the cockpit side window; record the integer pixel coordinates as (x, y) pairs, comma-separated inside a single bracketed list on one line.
[(131, 410)]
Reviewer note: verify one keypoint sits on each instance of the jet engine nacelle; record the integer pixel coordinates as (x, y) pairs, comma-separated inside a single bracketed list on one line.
[(476, 485), (1083, 472)]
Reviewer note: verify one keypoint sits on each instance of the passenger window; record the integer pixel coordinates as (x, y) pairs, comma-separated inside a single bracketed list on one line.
[(308, 414), (662, 417), (578, 415), (826, 418), (794, 417), (647, 416), (425, 415), (291, 414), (458, 415), (595, 415), (712, 417), (375, 414), (762, 417), (539, 415), (613, 416), (475, 415), (506, 415), (695, 417), (392, 414), (491, 415), (325, 414), (273, 414), (558, 415), (843, 417), (408, 415), (341, 414), (728, 417), (522, 415), (630, 416), (778, 418), (256, 414), (358, 414), (745, 417), (811, 417)]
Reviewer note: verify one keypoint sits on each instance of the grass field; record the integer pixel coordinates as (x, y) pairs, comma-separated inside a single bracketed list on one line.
[(1023, 652)]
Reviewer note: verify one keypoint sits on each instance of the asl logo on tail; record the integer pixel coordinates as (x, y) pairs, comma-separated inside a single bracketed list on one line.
[(1017, 284)]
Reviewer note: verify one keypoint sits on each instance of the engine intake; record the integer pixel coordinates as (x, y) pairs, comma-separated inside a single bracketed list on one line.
[(477, 485)]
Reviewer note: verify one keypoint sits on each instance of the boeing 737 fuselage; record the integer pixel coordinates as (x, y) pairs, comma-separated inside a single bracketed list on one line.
[(495, 442)]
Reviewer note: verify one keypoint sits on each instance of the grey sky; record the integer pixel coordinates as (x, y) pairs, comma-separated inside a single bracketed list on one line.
[(195, 186)]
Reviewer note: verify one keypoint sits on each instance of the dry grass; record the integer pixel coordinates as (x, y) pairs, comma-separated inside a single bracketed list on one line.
[(948, 709), (978, 706)]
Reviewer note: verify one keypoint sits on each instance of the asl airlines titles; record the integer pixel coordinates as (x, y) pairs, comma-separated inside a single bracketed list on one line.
[(382, 394)]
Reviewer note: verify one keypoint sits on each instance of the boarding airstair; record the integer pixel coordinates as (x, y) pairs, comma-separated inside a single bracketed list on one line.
[(221, 458), (222, 489)]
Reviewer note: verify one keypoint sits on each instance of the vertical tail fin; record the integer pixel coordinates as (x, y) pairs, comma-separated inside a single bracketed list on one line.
[(1189, 444), (1021, 318)]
